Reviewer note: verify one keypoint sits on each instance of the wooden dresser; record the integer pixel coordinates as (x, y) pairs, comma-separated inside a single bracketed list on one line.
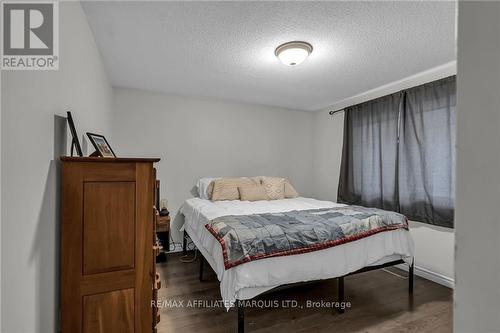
[(108, 276)]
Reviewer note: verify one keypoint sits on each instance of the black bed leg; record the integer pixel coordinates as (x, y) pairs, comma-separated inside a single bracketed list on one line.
[(340, 286), (202, 260), (184, 243), (241, 316), (410, 277)]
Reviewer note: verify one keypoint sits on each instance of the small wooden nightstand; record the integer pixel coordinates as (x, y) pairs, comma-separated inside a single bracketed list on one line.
[(162, 227), (163, 224), (163, 230)]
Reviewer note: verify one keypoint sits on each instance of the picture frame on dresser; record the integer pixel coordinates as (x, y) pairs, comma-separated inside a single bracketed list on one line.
[(101, 145), (75, 142)]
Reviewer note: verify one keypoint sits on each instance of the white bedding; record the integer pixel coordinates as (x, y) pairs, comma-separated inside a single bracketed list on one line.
[(248, 280)]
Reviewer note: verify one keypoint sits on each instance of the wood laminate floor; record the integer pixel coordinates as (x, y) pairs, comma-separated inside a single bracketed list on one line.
[(379, 303)]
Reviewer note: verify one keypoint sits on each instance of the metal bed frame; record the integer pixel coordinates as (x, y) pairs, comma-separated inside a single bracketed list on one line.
[(340, 283)]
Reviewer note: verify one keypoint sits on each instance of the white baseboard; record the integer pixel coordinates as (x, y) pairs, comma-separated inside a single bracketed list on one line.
[(431, 276)]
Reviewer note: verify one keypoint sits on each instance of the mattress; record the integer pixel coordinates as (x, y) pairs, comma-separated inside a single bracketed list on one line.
[(253, 278)]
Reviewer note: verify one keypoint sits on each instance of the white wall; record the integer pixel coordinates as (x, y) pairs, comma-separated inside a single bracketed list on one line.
[(203, 137), (32, 139), (328, 137), (477, 290), (434, 245)]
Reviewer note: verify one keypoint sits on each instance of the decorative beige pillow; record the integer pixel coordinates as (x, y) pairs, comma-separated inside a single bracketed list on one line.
[(253, 193), (210, 189), (275, 187), (227, 188), (289, 190)]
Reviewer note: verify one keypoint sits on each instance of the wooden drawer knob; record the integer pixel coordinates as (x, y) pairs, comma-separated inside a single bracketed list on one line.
[(157, 281), (156, 249)]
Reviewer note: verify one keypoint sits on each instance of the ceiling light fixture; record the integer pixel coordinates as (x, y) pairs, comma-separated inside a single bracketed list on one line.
[(293, 53)]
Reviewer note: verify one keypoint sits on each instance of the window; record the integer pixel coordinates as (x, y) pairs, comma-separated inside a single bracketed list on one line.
[(399, 153)]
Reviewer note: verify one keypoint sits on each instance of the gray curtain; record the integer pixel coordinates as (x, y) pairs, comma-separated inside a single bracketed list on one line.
[(427, 153), (368, 171), (399, 153)]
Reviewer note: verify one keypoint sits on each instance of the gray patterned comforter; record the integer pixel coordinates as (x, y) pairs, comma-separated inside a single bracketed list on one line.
[(251, 237)]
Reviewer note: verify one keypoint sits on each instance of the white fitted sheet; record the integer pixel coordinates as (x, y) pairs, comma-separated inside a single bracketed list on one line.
[(248, 280)]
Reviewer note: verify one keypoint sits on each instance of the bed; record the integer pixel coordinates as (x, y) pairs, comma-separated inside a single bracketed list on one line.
[(250, 279)]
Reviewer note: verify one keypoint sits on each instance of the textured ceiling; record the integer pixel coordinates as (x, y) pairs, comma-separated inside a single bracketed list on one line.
[(226, 49)]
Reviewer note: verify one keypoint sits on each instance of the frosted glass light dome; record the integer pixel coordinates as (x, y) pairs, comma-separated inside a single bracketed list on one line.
[(293, 53)]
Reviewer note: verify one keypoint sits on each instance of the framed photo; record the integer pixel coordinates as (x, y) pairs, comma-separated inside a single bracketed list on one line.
[(101, 145), (75, 143)]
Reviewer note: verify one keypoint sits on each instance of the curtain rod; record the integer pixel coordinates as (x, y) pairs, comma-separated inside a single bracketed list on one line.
[(336, 111), (332, 112)]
